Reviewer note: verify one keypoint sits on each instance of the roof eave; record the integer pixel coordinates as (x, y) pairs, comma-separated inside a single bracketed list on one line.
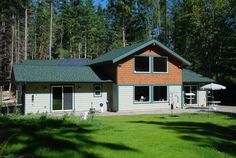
[(132, 51), (99, 63), (107, 81), (184, 61)]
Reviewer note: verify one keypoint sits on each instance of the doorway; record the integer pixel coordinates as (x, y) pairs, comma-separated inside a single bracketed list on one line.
[(193, 99), (62, 98)]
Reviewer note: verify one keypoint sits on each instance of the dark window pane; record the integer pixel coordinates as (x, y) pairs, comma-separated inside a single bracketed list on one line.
[(57, 98), (97, 90), (142, 64), (160, 93), (68, 98), (159, 64), (186, 98), (141, 93)]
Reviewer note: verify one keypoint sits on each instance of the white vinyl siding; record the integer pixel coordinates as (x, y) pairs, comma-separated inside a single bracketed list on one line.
[(202, 98), (175, 95), (41, 95), (84, 97), (126, 101)]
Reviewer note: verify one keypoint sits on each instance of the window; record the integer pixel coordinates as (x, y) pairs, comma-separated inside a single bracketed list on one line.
[(159, 64), (97, 90), (141, 94), (160, 93), (142, 64)]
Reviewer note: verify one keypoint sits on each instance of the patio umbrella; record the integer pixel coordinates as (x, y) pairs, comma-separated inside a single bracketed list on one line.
[(213, 86)]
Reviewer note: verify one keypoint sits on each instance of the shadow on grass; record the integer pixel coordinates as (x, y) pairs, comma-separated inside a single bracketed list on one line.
[(210, 135), (57, 136), (230, 115)]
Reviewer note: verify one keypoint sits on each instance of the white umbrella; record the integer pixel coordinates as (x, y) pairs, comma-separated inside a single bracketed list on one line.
[(213, 86), (189, 94)]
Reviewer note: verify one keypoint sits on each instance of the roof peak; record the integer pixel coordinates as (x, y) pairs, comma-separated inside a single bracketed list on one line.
[(121, 53)]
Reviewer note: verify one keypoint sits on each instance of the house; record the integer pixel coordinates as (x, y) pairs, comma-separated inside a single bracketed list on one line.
[(144, 76)]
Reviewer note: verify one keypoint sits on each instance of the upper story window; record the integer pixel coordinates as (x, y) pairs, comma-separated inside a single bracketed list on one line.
[(142, 64), (160, 64)]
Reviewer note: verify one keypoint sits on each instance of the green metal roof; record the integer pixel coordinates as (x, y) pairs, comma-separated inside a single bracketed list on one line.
[(55, 74), (119, 54), (193, 77)]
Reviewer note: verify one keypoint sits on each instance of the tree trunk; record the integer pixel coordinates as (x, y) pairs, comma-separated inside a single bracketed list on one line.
[(35, 44), (50, 34), (79, 49), (85, 46), (15, 42), (123, 36), (159, 17), (62, 31), (18, 40), (2, 55), (12, 49), (165, 22), (26, 33)]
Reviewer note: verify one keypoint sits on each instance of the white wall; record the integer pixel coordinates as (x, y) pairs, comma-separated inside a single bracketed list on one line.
[(41, 94), (175, 95), (84, 97), (126, 100), (202, 98)]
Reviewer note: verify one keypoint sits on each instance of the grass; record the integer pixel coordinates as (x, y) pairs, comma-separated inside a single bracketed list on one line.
[(185, 135)]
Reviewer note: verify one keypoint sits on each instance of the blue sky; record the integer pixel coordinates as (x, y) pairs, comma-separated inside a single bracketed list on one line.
[(103, 2)]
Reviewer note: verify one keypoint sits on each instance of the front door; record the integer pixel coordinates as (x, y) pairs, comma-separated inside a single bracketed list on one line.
[(62, 98)]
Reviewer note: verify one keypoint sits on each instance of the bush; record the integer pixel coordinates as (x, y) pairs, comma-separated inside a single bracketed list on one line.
[(2, 104), (17, 111)]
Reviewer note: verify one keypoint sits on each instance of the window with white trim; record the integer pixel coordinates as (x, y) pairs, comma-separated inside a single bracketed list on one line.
[(97, 90), (160, 64), (159, 93), (141, 64), (141, 94)]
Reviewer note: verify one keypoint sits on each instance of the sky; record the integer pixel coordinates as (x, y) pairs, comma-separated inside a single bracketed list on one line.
[(103, 2)]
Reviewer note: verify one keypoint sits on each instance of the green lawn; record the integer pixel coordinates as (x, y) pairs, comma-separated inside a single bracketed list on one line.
[(148, 136)]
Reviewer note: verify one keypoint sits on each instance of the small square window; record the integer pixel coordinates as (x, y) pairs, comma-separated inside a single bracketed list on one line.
[(141, 94), (159, 64), (97, 90), (141, 64)]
